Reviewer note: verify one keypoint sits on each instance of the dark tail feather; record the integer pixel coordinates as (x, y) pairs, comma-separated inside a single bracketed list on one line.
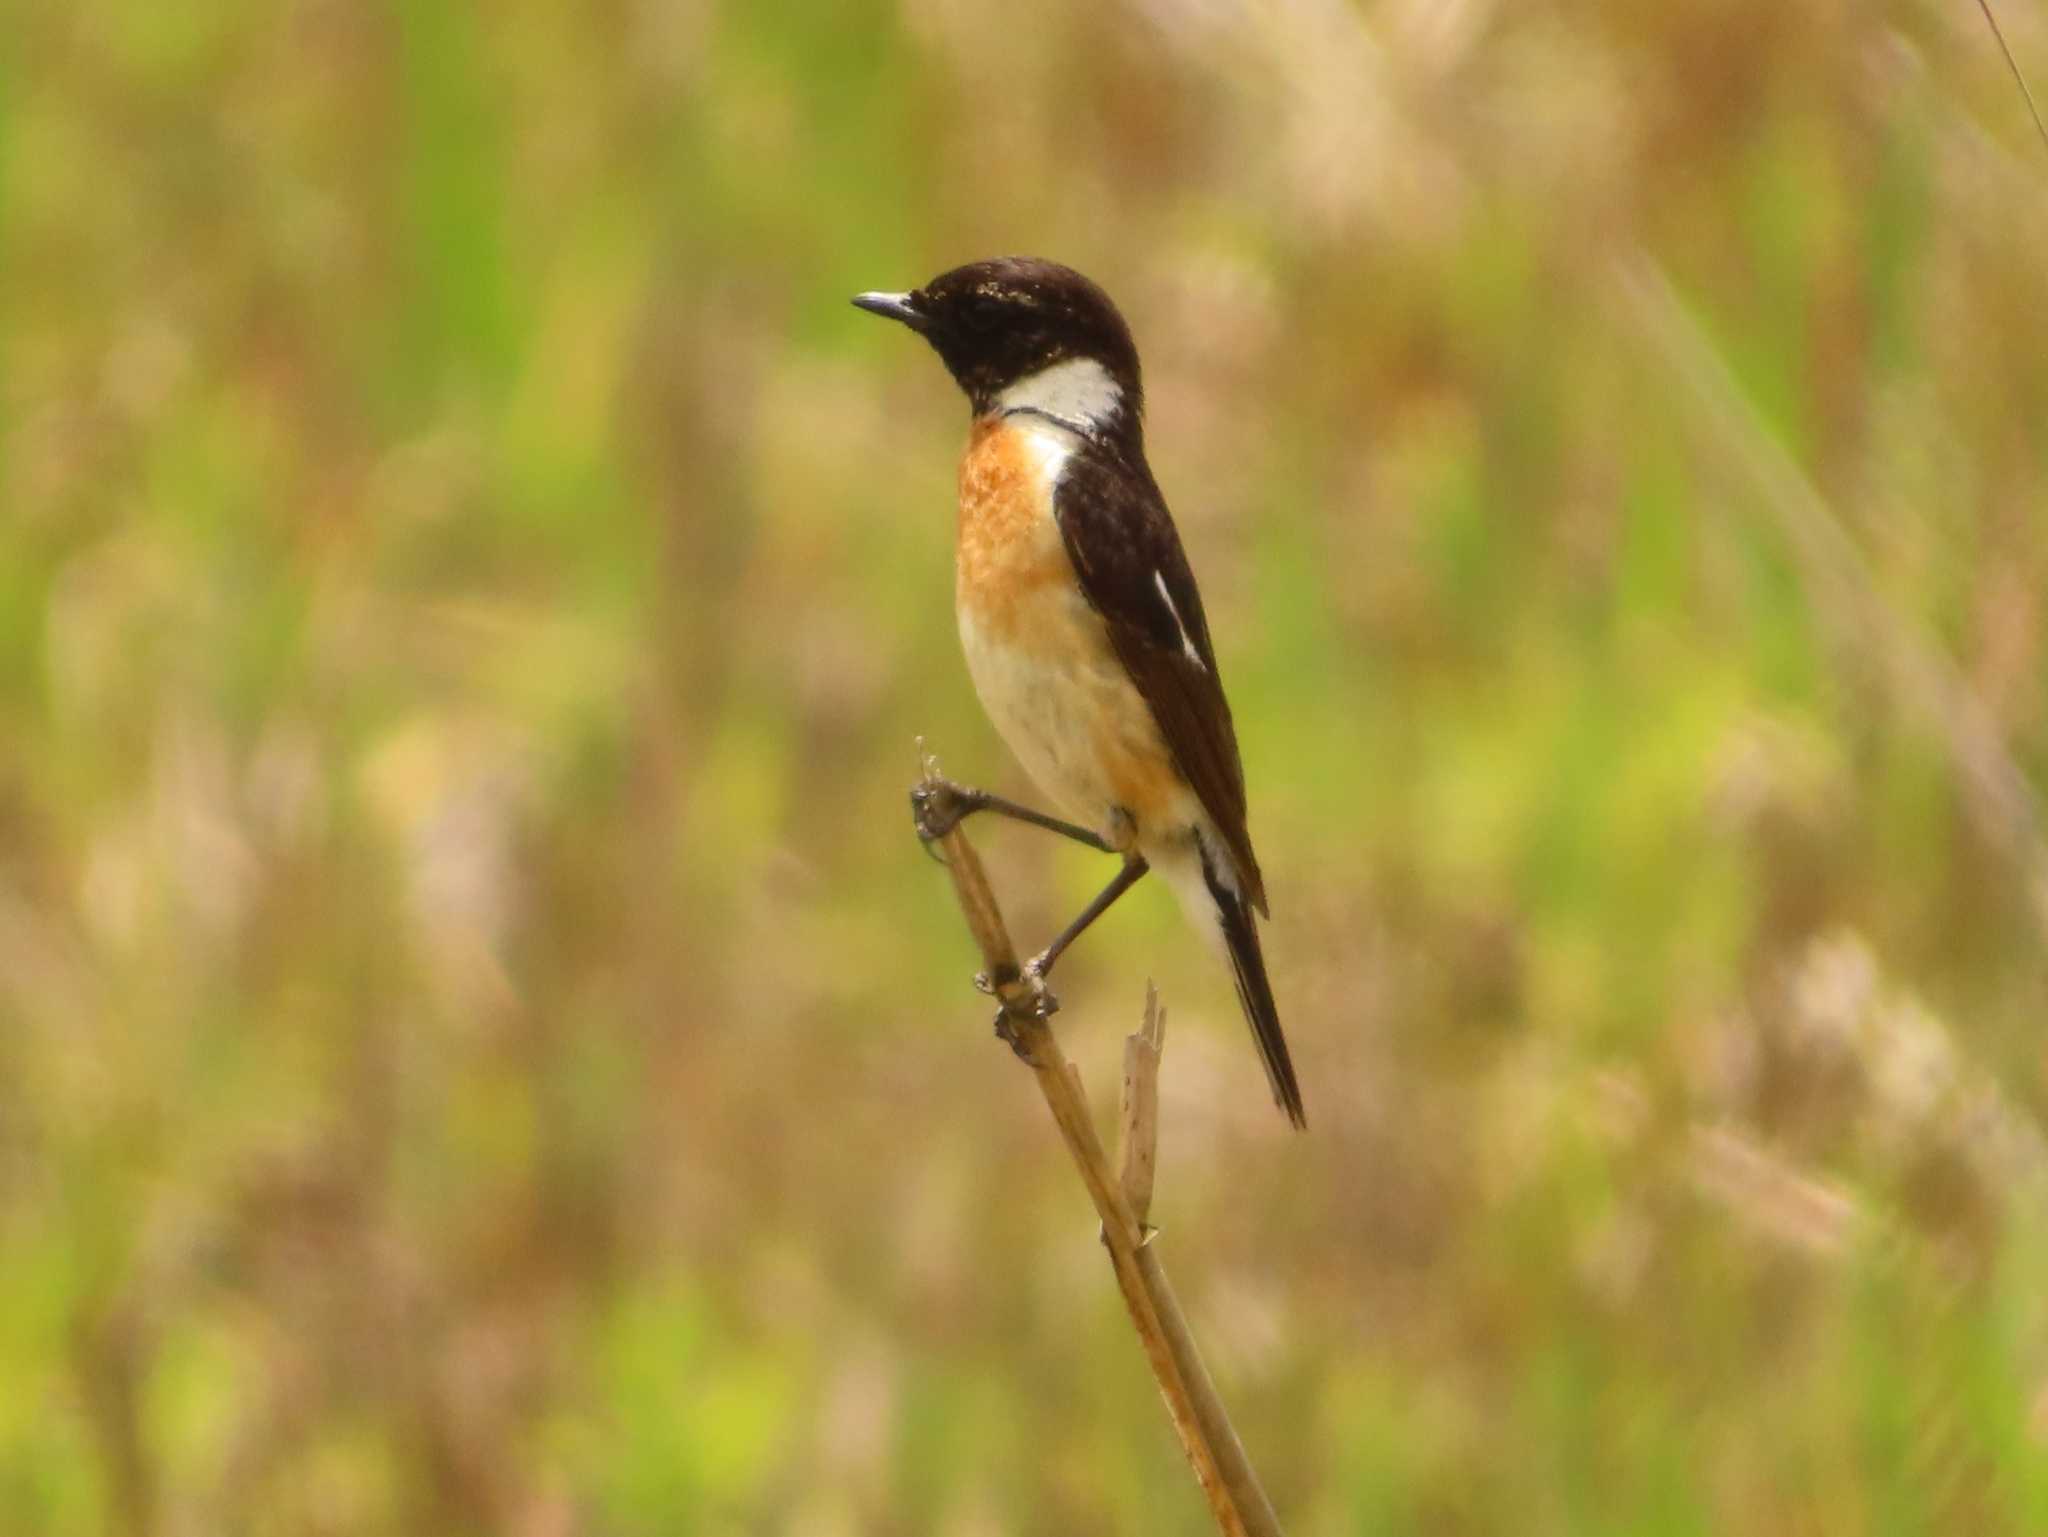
[(1248, 964)]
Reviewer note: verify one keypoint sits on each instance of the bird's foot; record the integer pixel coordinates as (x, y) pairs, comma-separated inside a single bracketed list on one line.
[(937, 806), (1006, 1032), (1047, 1001), (1041, 1004)]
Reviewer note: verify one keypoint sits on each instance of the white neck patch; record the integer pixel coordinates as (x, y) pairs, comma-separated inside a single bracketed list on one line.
[(1078, 390)]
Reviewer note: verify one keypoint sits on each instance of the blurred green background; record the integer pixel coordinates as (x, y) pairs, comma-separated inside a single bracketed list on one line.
[(480, 1050)]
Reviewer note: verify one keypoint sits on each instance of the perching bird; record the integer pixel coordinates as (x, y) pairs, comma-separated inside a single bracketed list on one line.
[(1078, 612)]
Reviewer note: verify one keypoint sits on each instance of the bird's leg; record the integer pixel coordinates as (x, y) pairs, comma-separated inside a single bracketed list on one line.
[(1047, 1002), (1122, 881), (937, 806)]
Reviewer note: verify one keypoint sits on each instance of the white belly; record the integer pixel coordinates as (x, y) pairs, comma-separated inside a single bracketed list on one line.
[(1064, 705)]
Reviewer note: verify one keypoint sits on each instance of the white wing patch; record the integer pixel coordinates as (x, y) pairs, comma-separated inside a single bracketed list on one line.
[(1075, 390), (1187, 642)]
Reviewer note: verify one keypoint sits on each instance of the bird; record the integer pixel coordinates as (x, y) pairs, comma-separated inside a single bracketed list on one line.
[(1083, 629)]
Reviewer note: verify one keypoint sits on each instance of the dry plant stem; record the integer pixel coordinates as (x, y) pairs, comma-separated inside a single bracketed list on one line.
[(1232, 1489), (1139, 1161), (1140, 1152)]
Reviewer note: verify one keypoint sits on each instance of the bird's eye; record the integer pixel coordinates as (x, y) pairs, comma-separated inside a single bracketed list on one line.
[(983, 312)]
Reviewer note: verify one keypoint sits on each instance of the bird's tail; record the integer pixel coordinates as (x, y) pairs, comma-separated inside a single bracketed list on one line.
[(1218, 909)]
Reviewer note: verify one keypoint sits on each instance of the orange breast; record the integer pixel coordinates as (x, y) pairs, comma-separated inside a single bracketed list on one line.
[(1040, 656), (1009, 542)]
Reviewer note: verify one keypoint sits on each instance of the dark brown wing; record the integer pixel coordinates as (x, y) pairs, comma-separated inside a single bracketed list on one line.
[(1124, 546)]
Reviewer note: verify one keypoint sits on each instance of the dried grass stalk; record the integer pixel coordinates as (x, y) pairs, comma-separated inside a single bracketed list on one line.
[(1228, 1482)]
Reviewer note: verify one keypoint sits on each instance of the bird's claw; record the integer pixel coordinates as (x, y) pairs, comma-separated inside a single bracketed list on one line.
[(1044, 1001), (1034, 978), (936, 807), (1006, 1032), (1041, 1004)]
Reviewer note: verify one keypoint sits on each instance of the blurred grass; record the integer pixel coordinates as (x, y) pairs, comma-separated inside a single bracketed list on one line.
[(478, 1048)]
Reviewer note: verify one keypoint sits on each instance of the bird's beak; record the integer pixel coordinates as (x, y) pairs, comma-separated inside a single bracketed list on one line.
[(901, 307)]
